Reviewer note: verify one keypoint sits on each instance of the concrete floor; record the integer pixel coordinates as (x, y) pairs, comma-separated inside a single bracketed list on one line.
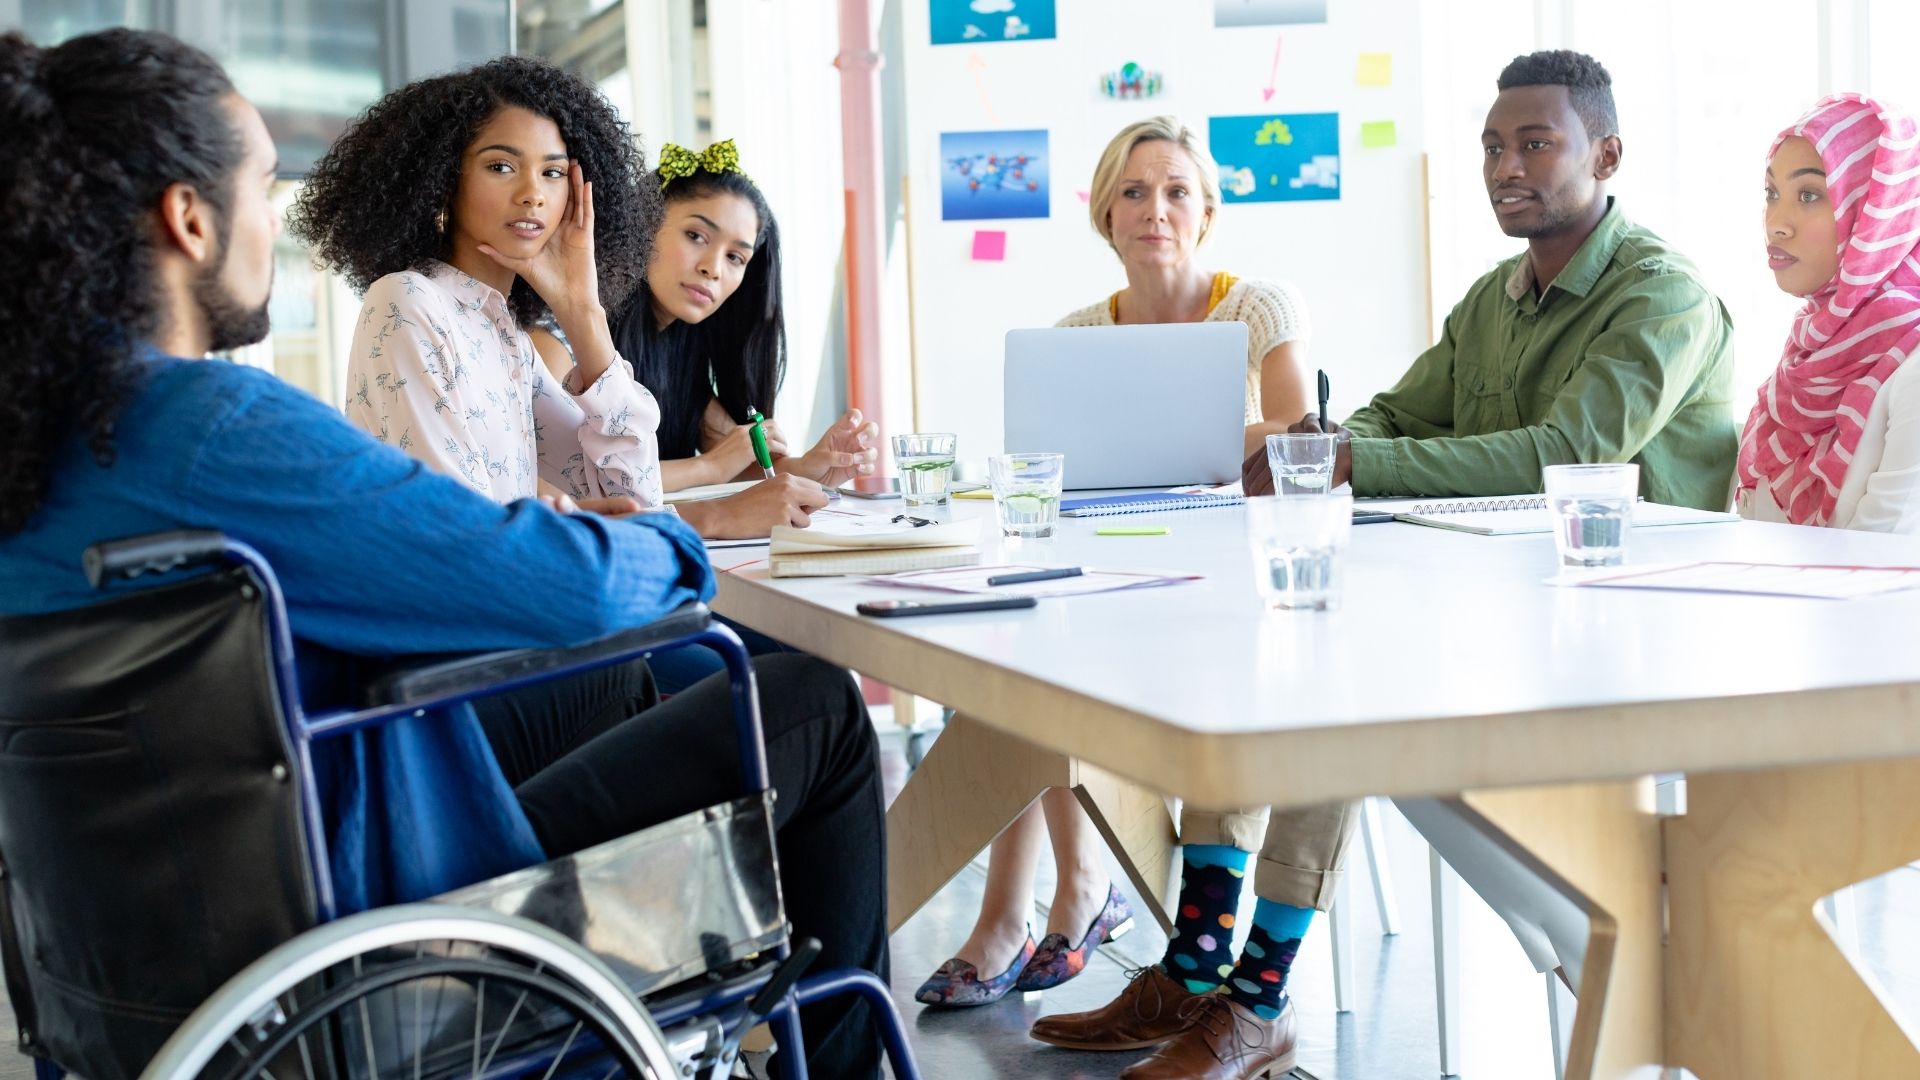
[(1389, 1035)]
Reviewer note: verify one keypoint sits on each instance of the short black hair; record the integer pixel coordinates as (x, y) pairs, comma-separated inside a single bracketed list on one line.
[(1588, 85)]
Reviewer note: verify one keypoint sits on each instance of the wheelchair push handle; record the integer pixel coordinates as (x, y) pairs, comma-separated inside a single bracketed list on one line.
[(152, 553)]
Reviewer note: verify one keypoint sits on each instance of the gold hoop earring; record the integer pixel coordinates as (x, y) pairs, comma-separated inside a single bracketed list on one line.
[(440, 221)]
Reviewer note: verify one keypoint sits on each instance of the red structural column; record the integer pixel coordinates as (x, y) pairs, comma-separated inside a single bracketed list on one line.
[(859, 63)]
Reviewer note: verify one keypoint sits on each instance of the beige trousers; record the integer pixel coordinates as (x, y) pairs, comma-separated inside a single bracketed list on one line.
[(1302, 852)]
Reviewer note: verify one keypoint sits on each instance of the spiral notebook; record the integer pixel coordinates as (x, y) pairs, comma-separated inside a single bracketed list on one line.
[(1144, 502), (1508, 515)]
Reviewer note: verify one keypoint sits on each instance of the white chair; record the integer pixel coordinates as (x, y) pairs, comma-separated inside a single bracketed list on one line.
[(1339, 926), (1550, 926)]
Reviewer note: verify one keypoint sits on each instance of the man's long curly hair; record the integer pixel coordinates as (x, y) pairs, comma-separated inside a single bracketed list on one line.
[(372, 206), (98, 128)]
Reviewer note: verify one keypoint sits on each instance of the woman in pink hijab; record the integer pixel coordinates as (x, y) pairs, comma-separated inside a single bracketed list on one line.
[(1835, 436)]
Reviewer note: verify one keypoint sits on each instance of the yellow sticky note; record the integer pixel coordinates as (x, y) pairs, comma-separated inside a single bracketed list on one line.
[(1378, 134), (1376, 69)]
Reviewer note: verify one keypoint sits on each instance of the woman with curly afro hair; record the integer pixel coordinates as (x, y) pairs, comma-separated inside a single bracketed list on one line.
[(469, 208)]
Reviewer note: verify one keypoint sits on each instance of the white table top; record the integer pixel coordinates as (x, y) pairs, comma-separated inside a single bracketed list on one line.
[(1450, 658)]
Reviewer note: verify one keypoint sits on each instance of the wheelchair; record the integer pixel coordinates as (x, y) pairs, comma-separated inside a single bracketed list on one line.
[(167, 911)]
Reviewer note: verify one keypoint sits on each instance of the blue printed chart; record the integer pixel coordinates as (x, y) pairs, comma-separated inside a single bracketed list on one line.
[(1288, 158), (977, 22), (993, 174)]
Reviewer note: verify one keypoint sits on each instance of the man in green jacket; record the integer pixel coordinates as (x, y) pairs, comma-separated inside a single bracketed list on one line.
[(1600, 343)]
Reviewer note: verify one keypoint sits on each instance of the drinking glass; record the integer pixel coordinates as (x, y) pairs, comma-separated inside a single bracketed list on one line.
[(1026, 492), (926, 464), (1301, 464), (1299, 542), (1592, 511)]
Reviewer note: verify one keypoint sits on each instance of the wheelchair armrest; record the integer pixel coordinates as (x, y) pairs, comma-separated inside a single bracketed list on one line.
[(469, 675), (153, 553)]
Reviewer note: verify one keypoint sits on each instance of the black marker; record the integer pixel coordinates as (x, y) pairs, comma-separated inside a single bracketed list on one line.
[(1033, 575), (1326, 391)]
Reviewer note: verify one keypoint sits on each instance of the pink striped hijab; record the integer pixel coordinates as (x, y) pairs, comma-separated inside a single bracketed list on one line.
[(1860, 326)]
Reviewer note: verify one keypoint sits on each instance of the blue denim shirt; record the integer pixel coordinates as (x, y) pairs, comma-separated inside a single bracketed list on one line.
[(377, 557)]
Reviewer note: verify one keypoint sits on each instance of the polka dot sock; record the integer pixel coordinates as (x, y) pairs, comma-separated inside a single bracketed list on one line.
[(1200, 951), (1259, 980)]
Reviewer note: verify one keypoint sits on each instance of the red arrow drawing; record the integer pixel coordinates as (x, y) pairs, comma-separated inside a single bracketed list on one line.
[(1266, 92), (976, 64)]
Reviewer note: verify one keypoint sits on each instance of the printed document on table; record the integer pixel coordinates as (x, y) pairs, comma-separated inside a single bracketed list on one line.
[(973, 579), (1753, 579)]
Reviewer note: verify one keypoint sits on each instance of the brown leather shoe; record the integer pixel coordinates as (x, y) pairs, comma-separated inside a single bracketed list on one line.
[(1147, 1013), (1226, 1042)]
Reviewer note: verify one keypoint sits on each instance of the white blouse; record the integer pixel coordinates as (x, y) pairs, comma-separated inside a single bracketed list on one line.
[(1881, 491), (439, 369)]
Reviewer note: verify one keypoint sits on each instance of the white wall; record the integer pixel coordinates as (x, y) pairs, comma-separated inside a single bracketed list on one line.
[(777, 94), (1359, 260)]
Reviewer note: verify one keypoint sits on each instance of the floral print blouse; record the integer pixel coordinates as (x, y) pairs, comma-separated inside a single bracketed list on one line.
[(439, 369)]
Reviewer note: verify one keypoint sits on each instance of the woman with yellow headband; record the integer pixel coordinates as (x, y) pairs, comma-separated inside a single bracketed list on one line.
[(706, 334)]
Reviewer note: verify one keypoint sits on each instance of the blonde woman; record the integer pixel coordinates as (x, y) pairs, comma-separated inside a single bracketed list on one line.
[(1155, 199)]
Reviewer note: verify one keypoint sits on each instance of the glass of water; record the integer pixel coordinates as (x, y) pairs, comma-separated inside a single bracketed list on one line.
[(926, 464), (1301, 464), (1592, 509), (1298, 543), (1026, 491)]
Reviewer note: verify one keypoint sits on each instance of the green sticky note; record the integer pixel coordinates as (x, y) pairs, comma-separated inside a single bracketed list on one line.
[(1378, 134), (1132, 530)]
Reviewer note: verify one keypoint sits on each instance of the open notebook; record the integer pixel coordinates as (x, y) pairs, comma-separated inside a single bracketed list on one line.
[(842, 542), (1511, 514)]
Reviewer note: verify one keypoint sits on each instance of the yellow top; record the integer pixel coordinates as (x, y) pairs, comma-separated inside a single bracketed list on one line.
[(1222, 282)]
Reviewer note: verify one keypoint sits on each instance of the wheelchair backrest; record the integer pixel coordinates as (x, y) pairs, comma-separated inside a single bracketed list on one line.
[(150, 839)]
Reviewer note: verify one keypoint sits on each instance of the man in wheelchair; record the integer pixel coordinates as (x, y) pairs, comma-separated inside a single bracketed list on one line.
[(139, 238)]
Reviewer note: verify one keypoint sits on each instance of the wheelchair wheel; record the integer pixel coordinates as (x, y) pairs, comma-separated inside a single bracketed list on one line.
[(422, 990)]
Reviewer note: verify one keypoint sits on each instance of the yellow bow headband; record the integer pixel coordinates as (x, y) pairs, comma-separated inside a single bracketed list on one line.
[(678, 161)]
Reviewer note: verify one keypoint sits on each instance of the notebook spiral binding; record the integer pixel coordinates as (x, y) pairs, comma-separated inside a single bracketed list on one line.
[(1478, 506), (1123, 505)]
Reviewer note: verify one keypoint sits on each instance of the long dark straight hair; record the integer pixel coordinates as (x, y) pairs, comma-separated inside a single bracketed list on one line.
[(737, 355)]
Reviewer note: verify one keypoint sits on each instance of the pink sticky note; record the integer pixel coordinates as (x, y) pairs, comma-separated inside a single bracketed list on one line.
[(989, 245), (1083, 196)]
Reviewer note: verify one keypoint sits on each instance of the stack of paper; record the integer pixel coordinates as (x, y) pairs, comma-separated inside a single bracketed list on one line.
[(849, 543)]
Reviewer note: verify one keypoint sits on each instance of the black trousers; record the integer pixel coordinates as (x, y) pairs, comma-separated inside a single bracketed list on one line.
[(599, 755)]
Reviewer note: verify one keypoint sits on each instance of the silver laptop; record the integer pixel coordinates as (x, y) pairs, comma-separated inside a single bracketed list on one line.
[(1131, 406)]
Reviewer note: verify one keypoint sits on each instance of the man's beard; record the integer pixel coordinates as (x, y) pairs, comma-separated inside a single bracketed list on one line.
[(229, 323)]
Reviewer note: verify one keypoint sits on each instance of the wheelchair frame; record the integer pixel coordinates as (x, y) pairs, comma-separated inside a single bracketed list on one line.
[(412, 693)]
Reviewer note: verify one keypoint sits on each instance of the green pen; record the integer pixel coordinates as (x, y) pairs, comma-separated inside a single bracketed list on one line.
[(759, 436)]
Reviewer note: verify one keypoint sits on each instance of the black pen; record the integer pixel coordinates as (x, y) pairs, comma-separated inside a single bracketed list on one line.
[(1326, 391), (1034, 575)]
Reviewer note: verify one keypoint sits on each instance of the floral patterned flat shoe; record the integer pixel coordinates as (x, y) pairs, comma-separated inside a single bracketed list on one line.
[(958, 984), (1054, 962)]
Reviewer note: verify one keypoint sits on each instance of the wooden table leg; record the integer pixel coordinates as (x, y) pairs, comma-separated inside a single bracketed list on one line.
[(976, 780), (1600, 845), (1137, 826), (1757, 988)]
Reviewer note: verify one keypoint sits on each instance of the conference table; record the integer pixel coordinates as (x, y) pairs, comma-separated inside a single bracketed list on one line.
[(1453, 668)]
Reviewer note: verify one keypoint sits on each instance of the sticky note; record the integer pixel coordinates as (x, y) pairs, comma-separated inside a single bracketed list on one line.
[(989, 245), (1378, 134), (1376, 69), (1083, 196)]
